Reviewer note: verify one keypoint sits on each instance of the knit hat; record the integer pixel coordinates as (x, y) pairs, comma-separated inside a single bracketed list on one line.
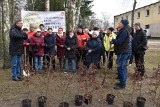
[(38, 30), (95, 28), (137, 24), (25, 29), (125, 22)]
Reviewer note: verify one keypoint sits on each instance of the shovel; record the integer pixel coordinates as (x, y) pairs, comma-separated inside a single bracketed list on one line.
[(26, 72), (106, 66)]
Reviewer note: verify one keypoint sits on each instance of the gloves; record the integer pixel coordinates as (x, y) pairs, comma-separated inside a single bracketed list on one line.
[(26, 44)]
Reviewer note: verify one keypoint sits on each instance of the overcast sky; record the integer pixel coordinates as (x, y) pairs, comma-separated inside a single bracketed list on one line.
[(115, 7)]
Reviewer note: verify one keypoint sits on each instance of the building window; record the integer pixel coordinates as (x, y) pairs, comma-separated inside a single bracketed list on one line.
[(159, 10), (127, 17), (147, 26), (147, 13), (138, 15)]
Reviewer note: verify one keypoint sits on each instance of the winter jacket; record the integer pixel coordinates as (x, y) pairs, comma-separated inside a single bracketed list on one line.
[(140, 42), (106, 42), (16, 40), (93, 44), (122, 41), (82, 39), (60, 41), (50, 42), (30, 34), (101, 36), (44, 33), (37, 43), (71, 43)]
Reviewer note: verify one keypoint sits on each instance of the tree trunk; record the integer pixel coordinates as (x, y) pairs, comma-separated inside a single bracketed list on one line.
[(1, 31), (5, 33), (47, 5), (77, 15)]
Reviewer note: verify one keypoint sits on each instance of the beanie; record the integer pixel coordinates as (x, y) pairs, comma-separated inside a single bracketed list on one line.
[(125, 22)]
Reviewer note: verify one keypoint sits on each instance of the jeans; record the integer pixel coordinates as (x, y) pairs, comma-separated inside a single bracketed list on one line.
[(16, 65), (122, 66), (67, 62), (38, 62)]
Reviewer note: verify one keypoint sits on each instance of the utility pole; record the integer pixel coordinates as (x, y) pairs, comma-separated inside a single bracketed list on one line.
[(133, 12)]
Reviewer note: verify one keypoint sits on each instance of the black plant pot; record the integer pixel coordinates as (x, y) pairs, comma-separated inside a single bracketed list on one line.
[(79, 99), (42, 101), (127, 104), (26, 103), (141, 101), (88, 99), (110, 99), (64, 104)]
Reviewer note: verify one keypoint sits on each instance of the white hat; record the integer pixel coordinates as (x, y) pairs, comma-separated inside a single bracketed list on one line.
[(38, 30)]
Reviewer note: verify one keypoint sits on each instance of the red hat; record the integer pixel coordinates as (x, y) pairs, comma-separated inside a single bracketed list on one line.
[(60, 28)]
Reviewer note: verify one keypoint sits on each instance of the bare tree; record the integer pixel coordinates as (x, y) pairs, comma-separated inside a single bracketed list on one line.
[(47, 8), (5, 32), (105, 19)]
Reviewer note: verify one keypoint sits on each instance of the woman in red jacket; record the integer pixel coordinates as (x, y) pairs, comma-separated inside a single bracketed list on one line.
[(82, 40), (37, 43), (60, 40)]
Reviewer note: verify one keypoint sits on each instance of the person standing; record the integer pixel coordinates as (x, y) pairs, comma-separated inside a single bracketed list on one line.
[(16, 48), (70, 45), (82, 39), (60, 40), (101, 37), (93, 48), (37, 43), (42, 28), (122, 51), (109, 48), (30, 35), (139, 48), (49, 49)]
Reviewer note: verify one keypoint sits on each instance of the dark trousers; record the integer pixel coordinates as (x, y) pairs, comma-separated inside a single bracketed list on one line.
[(52, 61), (139, 61), (31, 59), (103, 56), (110, 60), (61, 62), (80, 54)]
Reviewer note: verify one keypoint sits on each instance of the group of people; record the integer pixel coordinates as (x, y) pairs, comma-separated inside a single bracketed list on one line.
[(74, 47)]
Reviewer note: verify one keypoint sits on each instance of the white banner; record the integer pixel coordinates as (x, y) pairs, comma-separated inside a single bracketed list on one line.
[(52, 19)]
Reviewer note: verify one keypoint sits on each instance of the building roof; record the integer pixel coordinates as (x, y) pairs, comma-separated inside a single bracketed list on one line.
[(137, 9)]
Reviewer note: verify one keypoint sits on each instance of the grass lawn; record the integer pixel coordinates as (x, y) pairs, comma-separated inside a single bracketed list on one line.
[(12, 93)]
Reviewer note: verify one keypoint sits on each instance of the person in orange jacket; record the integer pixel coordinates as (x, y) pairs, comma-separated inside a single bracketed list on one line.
[(82, 39), (30, 35)]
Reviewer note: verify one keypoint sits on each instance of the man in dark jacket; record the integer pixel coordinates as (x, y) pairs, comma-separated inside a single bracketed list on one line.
[(16, 48), (122, 51), (101, 36), (49, 49), (139, 48)]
